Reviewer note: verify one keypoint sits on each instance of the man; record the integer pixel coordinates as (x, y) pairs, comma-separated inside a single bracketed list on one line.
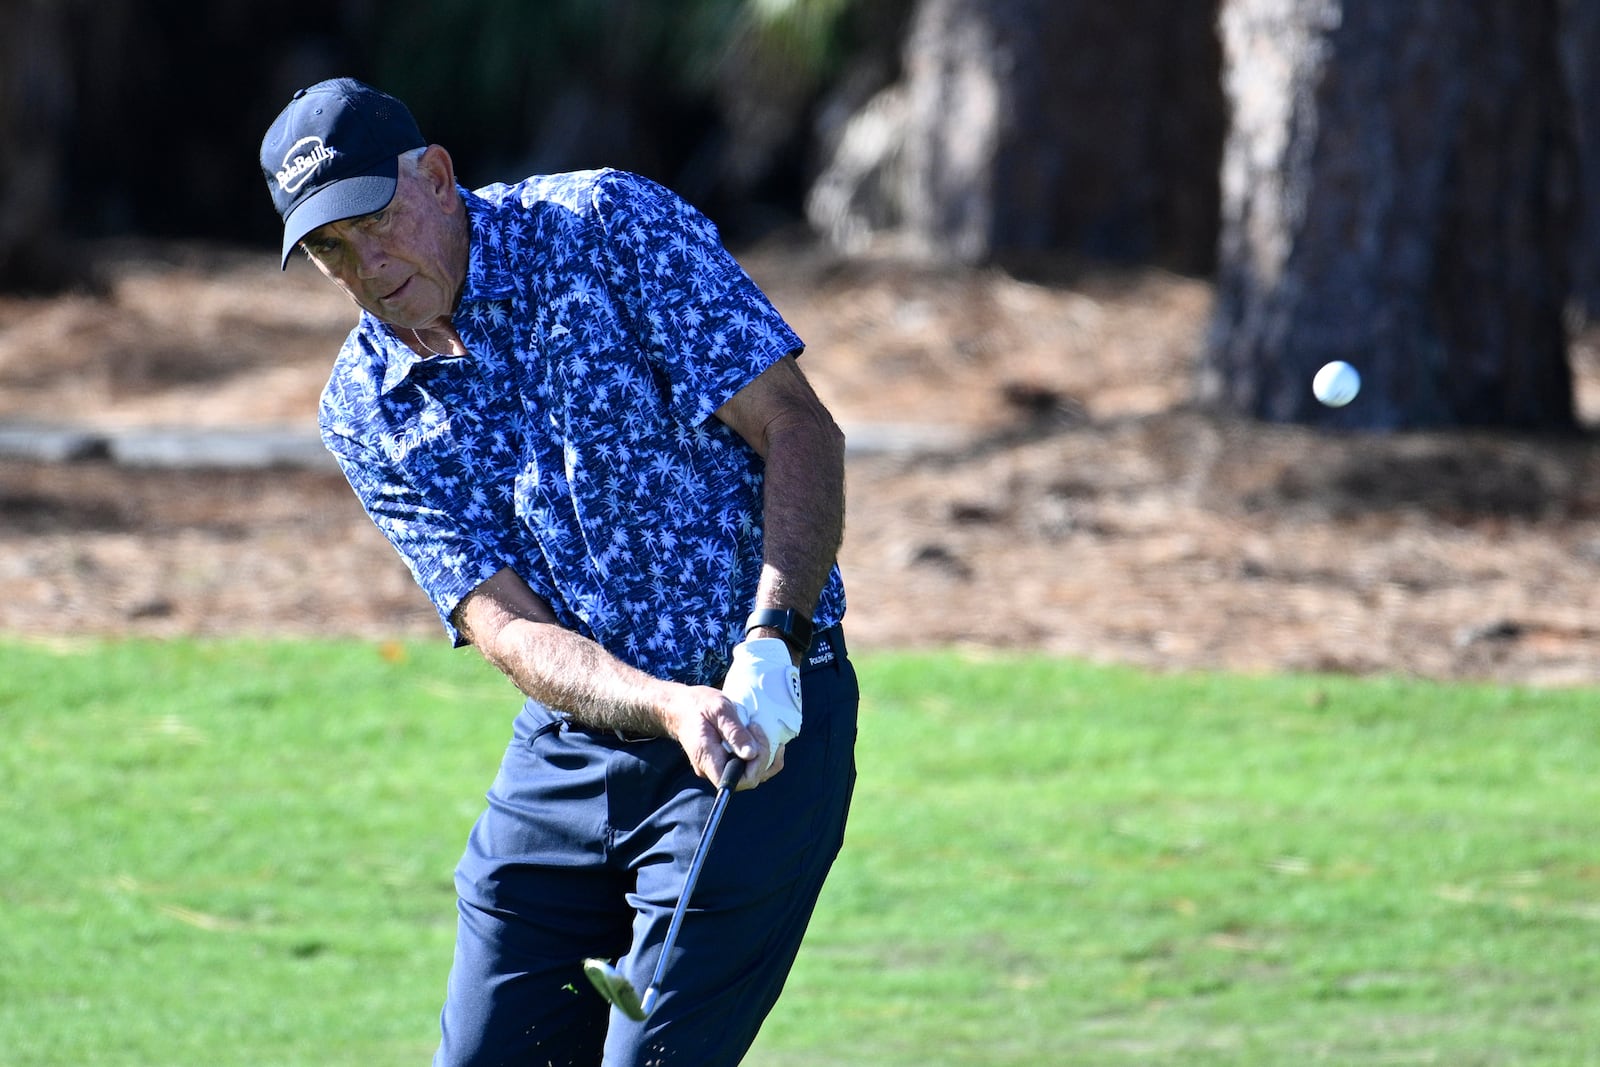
[(583, 428)]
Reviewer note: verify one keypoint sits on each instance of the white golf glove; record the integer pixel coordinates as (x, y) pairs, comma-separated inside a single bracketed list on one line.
[(764, 682)]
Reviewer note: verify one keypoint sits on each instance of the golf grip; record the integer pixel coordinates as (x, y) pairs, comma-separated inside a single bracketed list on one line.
[(730, 772)]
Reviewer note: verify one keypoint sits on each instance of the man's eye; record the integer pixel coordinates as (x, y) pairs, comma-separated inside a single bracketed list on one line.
[(320, 247)]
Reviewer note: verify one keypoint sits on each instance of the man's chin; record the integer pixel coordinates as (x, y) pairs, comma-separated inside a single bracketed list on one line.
[(399, 317)]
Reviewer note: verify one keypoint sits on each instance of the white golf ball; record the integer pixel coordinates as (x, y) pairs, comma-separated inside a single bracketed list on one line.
[(1336, 384)]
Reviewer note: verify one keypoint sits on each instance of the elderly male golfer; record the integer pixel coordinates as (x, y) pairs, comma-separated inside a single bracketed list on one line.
[(583, 428)]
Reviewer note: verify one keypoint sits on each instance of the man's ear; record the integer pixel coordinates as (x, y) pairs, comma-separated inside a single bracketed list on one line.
[(438, 172)]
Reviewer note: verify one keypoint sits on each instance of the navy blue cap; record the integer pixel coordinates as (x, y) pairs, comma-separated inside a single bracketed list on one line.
[(334, 153)]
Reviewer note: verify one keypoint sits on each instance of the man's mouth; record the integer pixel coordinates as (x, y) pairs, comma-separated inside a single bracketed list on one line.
[(389, 297)]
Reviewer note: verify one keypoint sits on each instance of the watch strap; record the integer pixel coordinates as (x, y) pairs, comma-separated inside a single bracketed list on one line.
[(795, 627)]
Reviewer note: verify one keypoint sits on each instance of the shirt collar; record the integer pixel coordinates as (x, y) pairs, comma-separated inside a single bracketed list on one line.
[(489, 275), (398, 357), (488, 278)]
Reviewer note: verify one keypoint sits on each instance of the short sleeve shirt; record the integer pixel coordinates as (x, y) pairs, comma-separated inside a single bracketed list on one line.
[(575, 443)]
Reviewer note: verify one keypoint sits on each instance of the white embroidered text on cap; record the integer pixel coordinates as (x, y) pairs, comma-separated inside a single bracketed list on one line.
[(303, 157)]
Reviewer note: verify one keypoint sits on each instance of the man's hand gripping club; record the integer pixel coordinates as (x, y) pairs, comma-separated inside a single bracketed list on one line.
[(765, 685), (754, 716)]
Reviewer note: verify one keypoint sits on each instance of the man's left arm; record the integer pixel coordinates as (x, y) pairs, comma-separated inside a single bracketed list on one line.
[(802, 526), (781, 417)]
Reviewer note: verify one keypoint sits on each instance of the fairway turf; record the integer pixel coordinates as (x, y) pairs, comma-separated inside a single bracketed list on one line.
[(240, 853)]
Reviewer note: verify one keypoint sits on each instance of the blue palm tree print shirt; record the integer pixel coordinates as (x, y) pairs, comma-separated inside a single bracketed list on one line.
[(575, 444)]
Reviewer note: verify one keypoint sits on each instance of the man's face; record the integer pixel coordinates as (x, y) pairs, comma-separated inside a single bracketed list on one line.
[(406, 263)]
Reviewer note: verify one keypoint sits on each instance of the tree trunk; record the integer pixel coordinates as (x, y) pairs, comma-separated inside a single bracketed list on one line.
[(1580, 53), (35, 99), (1396, 193), (1033, 125)]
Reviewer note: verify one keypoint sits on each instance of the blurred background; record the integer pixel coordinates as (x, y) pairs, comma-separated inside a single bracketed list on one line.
[(146, 113), (1354, 176), (1405, 185), (1065, 270)]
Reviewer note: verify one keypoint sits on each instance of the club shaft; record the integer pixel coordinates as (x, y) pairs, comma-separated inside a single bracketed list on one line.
[(730, 775)]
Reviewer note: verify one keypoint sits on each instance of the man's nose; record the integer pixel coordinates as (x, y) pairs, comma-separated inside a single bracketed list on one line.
[(368, 254)]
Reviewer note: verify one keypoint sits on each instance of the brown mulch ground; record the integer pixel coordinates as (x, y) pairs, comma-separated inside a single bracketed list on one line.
[(1062, 496)]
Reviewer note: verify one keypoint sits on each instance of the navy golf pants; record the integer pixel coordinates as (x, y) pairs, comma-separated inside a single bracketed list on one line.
[(582, 851)]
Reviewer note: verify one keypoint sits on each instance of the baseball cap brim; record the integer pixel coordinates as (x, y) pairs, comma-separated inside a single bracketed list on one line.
[(348, 198)]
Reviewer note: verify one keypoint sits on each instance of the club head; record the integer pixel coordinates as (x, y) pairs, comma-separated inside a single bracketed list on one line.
[(618, 990)]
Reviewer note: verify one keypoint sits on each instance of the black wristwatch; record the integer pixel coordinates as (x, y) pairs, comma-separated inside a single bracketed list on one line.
[(795, 627)]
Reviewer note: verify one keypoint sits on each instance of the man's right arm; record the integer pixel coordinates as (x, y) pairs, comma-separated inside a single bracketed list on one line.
[(517, 632)]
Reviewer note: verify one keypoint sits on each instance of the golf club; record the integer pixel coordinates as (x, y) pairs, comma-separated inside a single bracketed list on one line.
[(604, 975)]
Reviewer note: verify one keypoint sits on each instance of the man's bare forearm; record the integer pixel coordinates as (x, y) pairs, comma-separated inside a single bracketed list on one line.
[(572, 674), (575, 676), (803, 510)]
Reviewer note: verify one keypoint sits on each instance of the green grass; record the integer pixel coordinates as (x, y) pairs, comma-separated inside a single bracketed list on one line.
[(240, 853)]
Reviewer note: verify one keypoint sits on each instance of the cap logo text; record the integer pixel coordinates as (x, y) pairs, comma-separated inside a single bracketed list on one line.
[(303, 157)]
